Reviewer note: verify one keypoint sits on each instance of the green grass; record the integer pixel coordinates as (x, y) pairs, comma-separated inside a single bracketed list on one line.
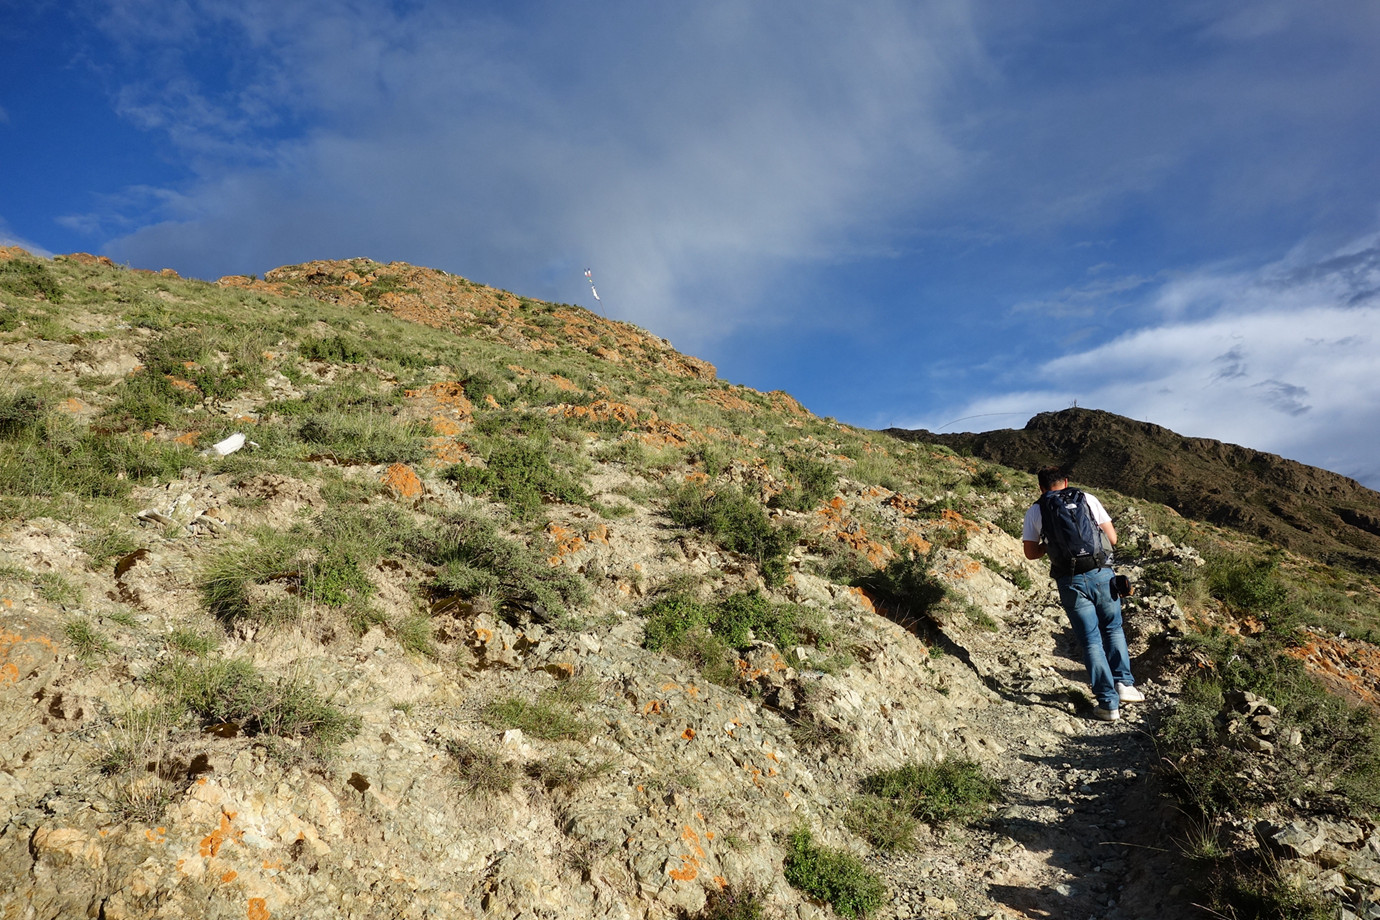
[(808, 483), (708, 634), (235, 691), (738, 523), (87, 641), (521, 475), (472, 558), (30, 278), (56, 457), (832, 876), (953, 789), (327, 563), (548, 717), (481, 770)]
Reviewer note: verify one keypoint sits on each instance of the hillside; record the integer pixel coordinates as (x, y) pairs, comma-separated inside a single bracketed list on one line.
[(1306, 509), (365, 590)]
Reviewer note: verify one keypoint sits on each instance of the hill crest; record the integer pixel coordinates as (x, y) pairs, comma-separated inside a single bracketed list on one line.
[(1312, 511)]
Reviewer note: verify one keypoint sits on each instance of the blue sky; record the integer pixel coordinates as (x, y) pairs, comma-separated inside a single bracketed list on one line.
[(948, 215)]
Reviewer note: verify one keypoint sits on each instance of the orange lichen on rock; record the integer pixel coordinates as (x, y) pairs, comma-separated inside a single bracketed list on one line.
[(727, 399), (403, 481), (212, 842), (445, 426), (19, 654), (71, 404), (447, 395), (258, 909), (567, 541), (601, 410), (1348, 666), (903, 503), (188, 439), (851, 533), (179, 384), (914, 540), (781, 401)]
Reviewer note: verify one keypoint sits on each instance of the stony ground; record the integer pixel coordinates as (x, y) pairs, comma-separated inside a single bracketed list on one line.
[(677, 788)]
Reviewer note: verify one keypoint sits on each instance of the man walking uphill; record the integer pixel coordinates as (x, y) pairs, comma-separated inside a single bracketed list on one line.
[(1077, 534)]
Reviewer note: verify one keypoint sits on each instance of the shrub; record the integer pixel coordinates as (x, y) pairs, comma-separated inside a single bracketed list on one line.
[(520, 475), (832, 876), (1337, 763), (953, 789), (20, 414), (236, 692), (29, 278), (881, 823), (729, 904), (906, 586), (474, 559), (812, 481), (738, 523), (707, 633), (1249, 585)]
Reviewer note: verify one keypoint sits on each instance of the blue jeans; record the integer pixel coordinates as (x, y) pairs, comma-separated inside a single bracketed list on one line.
[(1096, 620)]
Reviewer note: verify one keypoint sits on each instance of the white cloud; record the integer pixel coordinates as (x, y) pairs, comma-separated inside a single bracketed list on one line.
[(688, 153), (1281, 359), (9, 238)]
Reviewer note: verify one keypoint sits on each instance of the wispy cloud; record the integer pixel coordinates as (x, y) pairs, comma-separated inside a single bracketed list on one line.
[(691, 153), (1281, 359), (9, 238)]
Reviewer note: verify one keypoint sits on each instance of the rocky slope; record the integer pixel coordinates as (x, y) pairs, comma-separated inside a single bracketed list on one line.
[(1309, 510), (396, 655)]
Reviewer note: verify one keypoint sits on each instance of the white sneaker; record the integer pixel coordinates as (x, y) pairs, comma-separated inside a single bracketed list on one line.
[(1106, 715), (1129, 694)]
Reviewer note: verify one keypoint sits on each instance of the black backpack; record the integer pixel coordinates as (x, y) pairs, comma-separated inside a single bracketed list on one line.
[(1073, 541)]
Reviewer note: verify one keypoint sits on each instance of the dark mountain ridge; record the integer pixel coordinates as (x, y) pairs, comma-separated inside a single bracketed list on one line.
[(1306, 509)]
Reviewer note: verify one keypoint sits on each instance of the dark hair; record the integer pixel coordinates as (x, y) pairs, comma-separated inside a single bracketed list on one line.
[(1050, 475)]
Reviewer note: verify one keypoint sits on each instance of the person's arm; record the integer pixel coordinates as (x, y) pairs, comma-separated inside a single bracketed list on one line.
[(1033, 550), (1107, 527)]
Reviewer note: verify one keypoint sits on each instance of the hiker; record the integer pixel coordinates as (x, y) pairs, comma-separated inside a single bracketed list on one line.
[(1077, 534)]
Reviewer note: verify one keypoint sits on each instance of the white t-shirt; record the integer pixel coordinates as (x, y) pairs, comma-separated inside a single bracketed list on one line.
[(1034, 528)]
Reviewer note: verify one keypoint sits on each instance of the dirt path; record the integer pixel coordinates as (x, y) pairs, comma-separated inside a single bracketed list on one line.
[(1086, 830)]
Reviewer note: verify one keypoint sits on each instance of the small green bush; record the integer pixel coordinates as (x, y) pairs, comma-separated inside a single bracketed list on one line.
[(832, 876), (237, 692), (21, 413), (906, 587), (29, 278), (473, 558), (738, 523), (707, 634), (520, 475), (729, 904), (1253, 586), (810, 482), (881, 823), (953, 789)]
